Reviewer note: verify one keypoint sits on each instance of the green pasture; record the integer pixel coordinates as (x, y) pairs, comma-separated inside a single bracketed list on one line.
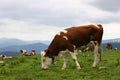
[(29, 68)]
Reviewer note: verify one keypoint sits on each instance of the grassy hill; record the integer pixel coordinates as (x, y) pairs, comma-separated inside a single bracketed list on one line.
[(29, 68)]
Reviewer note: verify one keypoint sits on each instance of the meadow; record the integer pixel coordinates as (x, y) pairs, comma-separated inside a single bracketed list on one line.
[(29, 68)]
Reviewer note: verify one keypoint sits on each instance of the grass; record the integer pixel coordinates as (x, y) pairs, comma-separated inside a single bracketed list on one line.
[(29, 68)]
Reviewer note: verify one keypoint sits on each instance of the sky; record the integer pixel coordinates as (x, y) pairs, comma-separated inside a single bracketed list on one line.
[(42, 19)]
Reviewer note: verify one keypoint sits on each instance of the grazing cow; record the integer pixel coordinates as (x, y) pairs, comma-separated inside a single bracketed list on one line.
[(30, 53), (70, 39)]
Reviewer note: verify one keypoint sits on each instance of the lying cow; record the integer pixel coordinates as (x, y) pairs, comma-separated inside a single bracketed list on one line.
[(25, 53), (30, 53), (71, 38), (2, 57)]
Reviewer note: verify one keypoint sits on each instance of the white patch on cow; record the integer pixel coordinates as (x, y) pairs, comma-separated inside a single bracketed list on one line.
[(64, 31), (65, 37), (46, 61), (97, 26), (75, 59), (22, 52), (64, 55), (43, 53)]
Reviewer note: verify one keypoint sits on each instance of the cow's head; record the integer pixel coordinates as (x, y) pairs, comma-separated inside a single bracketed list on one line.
[(46, 60), (22, 51)]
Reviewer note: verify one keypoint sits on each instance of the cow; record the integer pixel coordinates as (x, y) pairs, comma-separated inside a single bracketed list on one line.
[(5, 57), (25, 53), (68, 40), (109, 46), (2, 57), (30, 53)]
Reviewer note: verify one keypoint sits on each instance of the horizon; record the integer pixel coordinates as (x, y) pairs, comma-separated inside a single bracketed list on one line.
[(46, 40)]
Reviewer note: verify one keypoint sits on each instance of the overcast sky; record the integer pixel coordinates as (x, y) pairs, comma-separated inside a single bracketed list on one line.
[(42, 19)]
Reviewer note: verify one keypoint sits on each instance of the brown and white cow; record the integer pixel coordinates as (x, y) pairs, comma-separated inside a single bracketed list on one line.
[(68, 40), (30, 53), (25, 53)]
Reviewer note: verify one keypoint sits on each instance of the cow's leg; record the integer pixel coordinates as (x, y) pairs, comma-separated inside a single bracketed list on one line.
[(65, 62), (96, 60), (63, 54), (75, 59), (100, 52)]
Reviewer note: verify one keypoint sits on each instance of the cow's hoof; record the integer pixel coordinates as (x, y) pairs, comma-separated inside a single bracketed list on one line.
[(63, 68), (78, 68), (94, 66)]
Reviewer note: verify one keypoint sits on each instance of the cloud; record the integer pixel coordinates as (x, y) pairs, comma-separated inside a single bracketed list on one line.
[(55, 12), (27, 31), (107, 5), (111, 30), (42, 19), (52, 12)]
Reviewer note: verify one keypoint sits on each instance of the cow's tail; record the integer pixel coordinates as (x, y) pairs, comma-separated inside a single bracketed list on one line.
[(100, 30)]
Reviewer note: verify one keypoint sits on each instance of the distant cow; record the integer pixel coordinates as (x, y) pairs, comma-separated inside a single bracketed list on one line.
[(2, 57), (25, 53), (109, 46), (71, 38), (30, 53), (5, 57)]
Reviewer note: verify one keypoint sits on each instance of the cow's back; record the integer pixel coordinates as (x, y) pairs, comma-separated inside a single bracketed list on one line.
[(82, 35)]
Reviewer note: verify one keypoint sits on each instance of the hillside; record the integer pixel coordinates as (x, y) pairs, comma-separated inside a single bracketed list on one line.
[(12, 46), (29, 68), (5, 42), (14, 50)]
